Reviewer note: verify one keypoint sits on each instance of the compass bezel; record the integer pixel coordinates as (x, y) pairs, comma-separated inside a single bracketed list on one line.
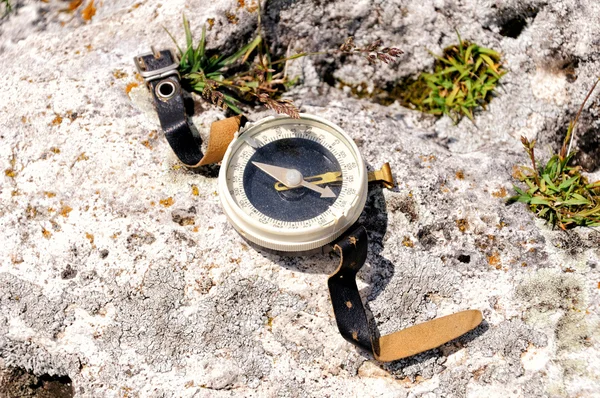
[(297, 239)]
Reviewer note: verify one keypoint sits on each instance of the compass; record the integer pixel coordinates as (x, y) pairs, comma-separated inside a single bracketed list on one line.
[(292, 185)]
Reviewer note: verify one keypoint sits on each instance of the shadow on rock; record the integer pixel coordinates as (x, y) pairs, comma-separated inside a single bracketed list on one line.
[(17, 382)]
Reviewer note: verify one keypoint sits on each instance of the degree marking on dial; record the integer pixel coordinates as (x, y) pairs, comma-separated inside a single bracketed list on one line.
[(318, 135)]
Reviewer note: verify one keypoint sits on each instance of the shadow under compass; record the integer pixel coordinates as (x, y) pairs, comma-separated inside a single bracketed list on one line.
[(325, 261)]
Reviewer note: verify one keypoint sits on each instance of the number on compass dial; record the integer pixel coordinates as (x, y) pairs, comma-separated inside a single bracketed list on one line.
[(293, 176)]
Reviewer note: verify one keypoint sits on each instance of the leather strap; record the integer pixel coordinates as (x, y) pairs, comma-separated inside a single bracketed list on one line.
[(352, 320), (164, 83)]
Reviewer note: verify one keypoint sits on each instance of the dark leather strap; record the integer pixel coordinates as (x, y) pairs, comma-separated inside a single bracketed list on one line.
[(168, 100), (352, 320), (347, 304)]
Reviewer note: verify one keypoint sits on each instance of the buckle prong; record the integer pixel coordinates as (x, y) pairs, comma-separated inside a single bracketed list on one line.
[(159, 73)]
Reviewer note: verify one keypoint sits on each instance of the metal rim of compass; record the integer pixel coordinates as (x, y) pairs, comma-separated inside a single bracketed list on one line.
[(278, 239)]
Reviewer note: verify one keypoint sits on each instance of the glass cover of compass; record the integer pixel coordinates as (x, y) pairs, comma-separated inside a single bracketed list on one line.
[(292, 185)]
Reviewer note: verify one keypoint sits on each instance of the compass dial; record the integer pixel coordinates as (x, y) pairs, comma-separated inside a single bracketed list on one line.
[(292, 184)]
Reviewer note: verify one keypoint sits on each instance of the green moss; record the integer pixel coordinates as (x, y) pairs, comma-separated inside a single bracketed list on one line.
[(464, 78)]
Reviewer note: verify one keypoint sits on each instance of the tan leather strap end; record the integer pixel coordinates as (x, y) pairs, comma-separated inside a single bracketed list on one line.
[(425, 336), (352, 320), (221, 135)]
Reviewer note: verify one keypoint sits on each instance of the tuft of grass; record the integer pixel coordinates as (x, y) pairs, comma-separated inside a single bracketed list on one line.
[(464, 78), (250, 75), (7, 7), (557, 191)]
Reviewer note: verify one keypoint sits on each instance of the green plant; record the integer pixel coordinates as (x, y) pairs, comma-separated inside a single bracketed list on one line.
[(464, 78), (250, 75), (7, 7), (556, 191)]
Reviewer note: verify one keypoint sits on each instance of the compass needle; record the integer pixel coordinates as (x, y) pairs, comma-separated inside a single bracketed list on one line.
[(325, 192), (292, 178)]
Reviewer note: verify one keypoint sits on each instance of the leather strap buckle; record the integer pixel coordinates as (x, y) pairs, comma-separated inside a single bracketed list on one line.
[(155, 64), (159, 70)]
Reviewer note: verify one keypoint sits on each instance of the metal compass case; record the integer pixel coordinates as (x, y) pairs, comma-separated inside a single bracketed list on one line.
[(295, 186)]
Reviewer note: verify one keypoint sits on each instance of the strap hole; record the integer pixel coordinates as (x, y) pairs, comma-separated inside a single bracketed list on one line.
[(165, 89)]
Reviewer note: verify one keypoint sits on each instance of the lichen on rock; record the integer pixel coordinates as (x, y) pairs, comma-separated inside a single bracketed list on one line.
[(120, 270)]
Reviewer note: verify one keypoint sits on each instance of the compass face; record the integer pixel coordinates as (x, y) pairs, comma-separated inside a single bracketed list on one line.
[(291, 205), (295, 177)]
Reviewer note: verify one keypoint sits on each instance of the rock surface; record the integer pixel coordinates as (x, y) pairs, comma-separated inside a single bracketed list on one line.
[(119, 270)]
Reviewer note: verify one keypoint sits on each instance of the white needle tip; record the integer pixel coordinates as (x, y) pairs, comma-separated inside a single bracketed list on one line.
[(327, 193)]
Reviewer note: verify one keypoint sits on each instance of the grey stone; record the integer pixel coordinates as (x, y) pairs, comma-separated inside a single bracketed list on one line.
[(115, 273)]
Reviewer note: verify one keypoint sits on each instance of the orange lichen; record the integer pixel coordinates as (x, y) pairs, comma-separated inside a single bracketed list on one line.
[(195, 190), (462, 224), (517, 173), (211, 23), (82, 156), (119, 74), (75, 4), (57, 120), (10, 173), (54, 150), (231, 18), (501, 193), (130, 87), (49, 194), (65, 210), (30, 212), (47, 234), (426, 158), (167, 202), (252, 7), (90, 237), (407, 242), (460, 175), (88, 12), (494, 260)]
